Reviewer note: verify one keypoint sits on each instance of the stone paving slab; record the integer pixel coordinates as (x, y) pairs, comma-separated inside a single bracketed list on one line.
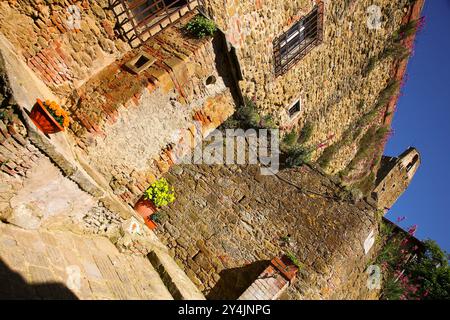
[(62, 265)]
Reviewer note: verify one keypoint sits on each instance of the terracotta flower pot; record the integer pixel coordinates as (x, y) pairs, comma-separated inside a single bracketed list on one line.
[(43, 119), (145, 208), (286, 267), (150, 223)]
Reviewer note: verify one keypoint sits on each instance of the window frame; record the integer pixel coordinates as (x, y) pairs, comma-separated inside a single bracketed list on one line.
[(146, 22), (303, 36), (291, 106)]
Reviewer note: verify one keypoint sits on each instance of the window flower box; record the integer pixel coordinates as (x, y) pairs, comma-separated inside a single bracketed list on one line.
[(49, 117)]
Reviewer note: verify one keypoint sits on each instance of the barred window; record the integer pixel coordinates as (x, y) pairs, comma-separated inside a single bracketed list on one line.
[(299, 40), (148, 17), (294, 109)]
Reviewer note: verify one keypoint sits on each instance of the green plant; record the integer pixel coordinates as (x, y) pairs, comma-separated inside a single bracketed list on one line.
[(297, 156), (201, 27), (158, 217), (406, 30), (306, 132), (367, 184), (160, 193), (328, 154), (392, 288), (387, 93), (267, 122), (286, 239), (248, 114), (231, 123), (432, 271), (293, 259), (290, 139), (386, 229), (396, 51), (247, 117), (371, 64)]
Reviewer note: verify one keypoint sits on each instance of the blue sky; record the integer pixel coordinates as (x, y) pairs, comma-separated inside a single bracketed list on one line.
[(422, 120)]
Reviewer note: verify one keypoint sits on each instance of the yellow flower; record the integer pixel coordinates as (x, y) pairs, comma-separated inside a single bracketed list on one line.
[(66, 122)]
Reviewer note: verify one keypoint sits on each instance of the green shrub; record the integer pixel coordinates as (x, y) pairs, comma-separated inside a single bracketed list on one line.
[(432, 271), (297, 156), (396, 51), (160, 193), (387, 93), (406, 30), (201, 27), (369, 141), (247, 117), (247, 114), (293, 259), (290, 139), (392, 288), (306, 132), (267, 122), (231, 123), (327, 155)]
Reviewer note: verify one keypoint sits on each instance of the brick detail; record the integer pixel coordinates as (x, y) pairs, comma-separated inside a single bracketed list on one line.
[(269, 285), (51, 65)]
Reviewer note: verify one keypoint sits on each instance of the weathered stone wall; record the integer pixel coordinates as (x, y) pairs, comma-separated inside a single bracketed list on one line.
[(334, 90), (228, 222), (330, 81), (63, 48), (126, 124), (37, 196), (34, 192)]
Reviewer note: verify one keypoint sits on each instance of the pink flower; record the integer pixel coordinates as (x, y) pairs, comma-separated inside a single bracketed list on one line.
[(400, 219), (412, 230)]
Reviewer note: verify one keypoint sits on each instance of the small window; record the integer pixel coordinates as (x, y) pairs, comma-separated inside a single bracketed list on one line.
[(299, 40), (210, 81), (295, 109), (412, 163), (140, 62)]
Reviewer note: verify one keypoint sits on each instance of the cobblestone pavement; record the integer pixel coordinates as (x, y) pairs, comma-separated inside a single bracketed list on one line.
[(62, 265)]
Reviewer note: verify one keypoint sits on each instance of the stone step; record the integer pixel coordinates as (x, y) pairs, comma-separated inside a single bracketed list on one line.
[(174, 278)]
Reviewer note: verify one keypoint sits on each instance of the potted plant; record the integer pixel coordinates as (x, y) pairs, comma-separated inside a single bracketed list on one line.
[(288, 265), (158, 195), (49, 117), (201, 27)]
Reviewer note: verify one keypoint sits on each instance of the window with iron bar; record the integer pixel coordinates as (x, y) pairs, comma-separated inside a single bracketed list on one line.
[(295, 108), (299, 40), (148, 17)]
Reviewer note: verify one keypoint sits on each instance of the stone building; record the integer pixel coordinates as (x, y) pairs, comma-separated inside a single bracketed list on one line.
[(138, 87), (394, 177)]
